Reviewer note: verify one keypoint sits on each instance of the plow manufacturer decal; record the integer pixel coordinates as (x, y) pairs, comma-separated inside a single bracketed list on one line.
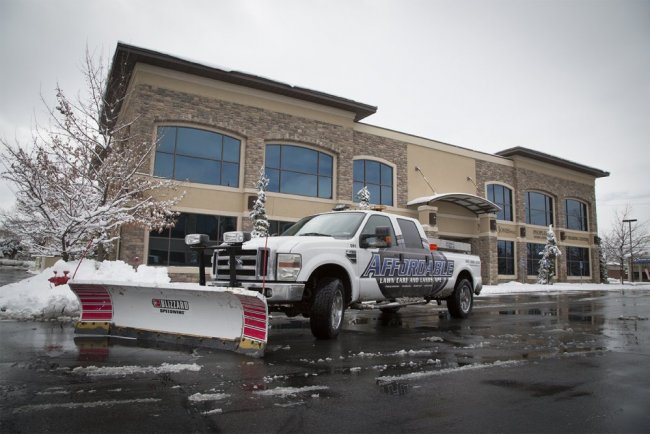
[(177, 307), (96, 302), (255, 318)]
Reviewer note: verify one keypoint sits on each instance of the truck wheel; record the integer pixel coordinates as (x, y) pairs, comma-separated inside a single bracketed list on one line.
[(461, 301), (327, 310)]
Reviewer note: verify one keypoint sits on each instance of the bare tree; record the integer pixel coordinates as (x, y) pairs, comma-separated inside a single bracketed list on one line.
[(84, 175), (616, 243)]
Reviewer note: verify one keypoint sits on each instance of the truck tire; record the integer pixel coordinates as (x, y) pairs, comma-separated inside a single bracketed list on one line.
[(461, 301), (328, 308)]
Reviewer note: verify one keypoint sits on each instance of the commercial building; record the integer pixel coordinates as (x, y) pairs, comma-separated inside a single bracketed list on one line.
[(217, 129)]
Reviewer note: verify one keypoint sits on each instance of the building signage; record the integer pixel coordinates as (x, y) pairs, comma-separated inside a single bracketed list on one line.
[(507, 230)]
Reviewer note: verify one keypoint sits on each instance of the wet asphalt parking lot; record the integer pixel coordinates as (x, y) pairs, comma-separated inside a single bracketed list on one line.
[(538, 362)]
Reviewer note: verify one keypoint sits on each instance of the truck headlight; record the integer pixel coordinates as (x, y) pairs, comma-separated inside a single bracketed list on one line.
[(289, 265)]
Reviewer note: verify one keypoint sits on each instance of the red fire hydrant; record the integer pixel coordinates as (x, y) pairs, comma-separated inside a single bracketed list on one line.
[(59, 280)]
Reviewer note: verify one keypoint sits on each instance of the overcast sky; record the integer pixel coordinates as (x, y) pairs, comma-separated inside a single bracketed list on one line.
[(569, 78)]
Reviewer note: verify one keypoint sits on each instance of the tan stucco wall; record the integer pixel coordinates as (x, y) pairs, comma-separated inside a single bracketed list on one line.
[(446, 172)]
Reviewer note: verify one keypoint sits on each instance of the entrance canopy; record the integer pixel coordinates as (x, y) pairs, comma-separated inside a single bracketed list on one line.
[(476, 204)]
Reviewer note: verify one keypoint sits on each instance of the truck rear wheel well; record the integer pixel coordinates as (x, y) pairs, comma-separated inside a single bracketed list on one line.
[(329, 270), (465, 275)]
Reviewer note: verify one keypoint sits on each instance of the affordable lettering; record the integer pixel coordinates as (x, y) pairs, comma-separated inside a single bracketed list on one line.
[(408, 267)]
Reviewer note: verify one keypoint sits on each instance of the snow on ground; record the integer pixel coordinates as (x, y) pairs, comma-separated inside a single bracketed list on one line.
[(121, 371), (36, 298)]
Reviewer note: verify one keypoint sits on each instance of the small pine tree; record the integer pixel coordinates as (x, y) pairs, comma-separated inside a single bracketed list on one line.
[(547, 263), (258, 213), (364, 198)]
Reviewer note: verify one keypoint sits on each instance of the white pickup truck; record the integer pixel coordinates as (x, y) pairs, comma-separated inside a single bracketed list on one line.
[(329, 262)]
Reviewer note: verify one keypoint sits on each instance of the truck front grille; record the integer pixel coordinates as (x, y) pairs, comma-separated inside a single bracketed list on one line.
[(249, 265)]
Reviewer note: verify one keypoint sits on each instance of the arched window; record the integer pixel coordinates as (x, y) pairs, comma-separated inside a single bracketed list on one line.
[(194, 155), (377, 177), (576, 215), (297, 170), (502, 196), (539, 209)]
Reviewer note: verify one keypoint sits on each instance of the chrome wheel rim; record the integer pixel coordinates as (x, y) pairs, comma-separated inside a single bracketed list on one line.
[(465, 298), (337, 310)]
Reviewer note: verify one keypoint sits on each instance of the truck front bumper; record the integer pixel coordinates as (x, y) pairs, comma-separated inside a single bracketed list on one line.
[(275, 293)]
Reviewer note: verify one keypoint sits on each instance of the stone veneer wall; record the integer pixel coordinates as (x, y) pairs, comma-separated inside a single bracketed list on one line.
[(523, 180), (256, 127)]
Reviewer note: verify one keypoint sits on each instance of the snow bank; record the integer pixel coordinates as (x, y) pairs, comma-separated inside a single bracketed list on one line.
[(518, 287), (36, 298)]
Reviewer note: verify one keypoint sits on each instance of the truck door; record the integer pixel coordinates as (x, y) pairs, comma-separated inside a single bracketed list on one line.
[(415, 272), (378, 257)]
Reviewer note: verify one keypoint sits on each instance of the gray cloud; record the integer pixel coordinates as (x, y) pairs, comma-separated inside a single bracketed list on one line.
[(569, 78)]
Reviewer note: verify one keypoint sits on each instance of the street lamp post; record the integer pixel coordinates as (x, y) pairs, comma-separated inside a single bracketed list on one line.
[(629, 222)]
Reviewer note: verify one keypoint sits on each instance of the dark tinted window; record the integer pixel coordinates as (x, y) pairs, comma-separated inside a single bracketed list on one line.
[(577, 261), (501, 196), (412, 239), (506, 257), (539, 209), (194, 155), (576, 215), (296, 170), (377, 177), (168, 247), (533, 256)]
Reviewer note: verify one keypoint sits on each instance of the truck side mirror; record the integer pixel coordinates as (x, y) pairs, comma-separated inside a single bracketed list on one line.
[(380, 239)]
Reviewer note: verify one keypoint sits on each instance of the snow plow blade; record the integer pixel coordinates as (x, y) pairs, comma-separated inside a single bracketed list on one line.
[(234, 319)]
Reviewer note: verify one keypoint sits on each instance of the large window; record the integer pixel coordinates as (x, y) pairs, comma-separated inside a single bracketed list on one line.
[(539, 209), (190, 154), (296, 170), (502, 196), (506, 257), (577, 261), (532, 258), (377, 177), (576, 215), (168, 247), (276, 227)]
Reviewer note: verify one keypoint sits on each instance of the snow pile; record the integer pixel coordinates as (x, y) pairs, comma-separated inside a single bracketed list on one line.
[(121, 371), (518, 287), (37, 298)]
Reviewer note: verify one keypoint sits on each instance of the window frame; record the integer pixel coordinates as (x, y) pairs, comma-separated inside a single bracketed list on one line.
[(548, 208), (507, 258), (532, 259), (569, 262), (166, 239), (411, 236), (584, 217), (510, 210), (270, 170), (177, 156), (358, 183)]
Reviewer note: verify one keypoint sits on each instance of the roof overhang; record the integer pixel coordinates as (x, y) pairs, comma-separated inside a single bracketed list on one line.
[(519, 151), (476, 204), (127, 56)]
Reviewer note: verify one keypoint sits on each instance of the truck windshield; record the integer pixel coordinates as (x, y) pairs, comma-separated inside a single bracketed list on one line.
[(337, 225)]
